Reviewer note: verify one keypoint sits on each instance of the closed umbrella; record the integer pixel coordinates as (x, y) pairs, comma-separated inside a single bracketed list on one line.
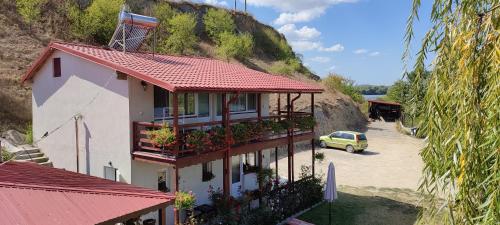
[(330, 190)]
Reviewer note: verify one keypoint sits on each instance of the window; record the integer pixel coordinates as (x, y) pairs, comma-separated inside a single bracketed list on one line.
[(252, 101), (235, 169), (336, 135), (348, 136), (244, 103), (250, 164), (110, 173), (207, 173), (57, 67), (163, 103), (203, 104)]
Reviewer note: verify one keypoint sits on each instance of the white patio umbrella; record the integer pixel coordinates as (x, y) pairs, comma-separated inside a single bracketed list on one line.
[(330, 190)]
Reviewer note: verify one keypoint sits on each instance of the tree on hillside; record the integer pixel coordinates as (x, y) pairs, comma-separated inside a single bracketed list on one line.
[(235, 46), (397, 92), (335, 82), (182, 38), (97, 22), (218, 21), (163, 12), (462, 109), (29, 9)]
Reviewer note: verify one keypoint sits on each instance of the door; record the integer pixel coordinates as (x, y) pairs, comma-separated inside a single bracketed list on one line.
[(336, 140), (236, 175)]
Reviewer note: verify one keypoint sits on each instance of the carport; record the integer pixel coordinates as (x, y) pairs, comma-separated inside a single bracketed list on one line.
[(389, 111)]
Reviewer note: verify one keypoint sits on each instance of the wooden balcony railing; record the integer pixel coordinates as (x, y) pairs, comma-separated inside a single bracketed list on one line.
[(243, 131)]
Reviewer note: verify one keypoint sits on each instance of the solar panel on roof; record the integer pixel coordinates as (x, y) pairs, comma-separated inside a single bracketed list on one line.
[(131, 31)]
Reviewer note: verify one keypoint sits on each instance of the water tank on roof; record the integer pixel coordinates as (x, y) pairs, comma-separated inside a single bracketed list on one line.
[(131, 31)]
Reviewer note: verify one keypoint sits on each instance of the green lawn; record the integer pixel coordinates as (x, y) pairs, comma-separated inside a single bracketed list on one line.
[(353, 208)]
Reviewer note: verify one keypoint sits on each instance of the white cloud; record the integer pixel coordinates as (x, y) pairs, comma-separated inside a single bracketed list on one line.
[(374, 53), (360, 51), (333, 48), (293, 11), (302, 16), (304, 33), (320, 59), (216, 2), (331, 68), (305, 45)]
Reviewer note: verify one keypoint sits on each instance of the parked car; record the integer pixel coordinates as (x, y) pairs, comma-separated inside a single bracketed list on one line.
[(349, 140)]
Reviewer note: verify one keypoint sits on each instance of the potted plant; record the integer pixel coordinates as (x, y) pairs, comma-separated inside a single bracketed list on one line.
[(305, 123), (198, 140), (217, 136), (162, 138), (239, 132), (184, 201)]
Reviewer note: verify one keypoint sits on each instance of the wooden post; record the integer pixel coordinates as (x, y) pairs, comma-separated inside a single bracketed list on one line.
[(163, 217), (276, 160), (279, 105), (288, 117), (176, 211), (225, 161), (312, 140), (175, 121), (259, 118), (1, 156)]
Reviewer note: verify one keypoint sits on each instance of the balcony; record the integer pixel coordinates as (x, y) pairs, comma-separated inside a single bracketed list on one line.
[(202, 142)]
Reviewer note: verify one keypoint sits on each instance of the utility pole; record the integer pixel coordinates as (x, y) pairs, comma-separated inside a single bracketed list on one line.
[(245, 6), (234, 5)]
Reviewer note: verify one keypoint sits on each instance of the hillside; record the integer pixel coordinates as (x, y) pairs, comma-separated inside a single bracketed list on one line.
[(21, 44)]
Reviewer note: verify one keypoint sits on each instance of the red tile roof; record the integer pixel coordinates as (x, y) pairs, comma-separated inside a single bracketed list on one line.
[(180, 73), (34, 194)]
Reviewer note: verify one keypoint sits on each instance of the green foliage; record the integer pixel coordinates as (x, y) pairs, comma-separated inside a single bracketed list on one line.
[(184, 200), (397, 92), (163, 12), (29, 134), (198, 140), (273, 44), (265, 175), (461, 156), (218, 22), (305, 123), (182, 38), (372, 89), (319, 156), (162, 137), (344, 85), (235, 46), (287, 67), (239, 132), (6, 156), (30, 9), (97, 22)]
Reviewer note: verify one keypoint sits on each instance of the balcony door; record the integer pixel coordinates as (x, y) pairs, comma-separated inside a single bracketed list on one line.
[(190, 104), (237, 178)]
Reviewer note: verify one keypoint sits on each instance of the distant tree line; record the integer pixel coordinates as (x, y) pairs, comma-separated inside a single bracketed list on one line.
[(372, 89)]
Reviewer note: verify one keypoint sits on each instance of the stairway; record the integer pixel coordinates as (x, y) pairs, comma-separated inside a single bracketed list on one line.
[(32, 154)]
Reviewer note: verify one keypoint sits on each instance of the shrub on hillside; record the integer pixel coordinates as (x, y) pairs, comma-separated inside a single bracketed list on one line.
[(286, 67), (235, 46), (217, 22), (29, 9), (273, 44), (182, 38), (344, 85), (97, 22)]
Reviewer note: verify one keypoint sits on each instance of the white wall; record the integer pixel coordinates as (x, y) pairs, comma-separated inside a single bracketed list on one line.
[(101, 99)]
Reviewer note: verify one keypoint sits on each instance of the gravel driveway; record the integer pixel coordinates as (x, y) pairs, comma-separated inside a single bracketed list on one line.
[(391, 160)]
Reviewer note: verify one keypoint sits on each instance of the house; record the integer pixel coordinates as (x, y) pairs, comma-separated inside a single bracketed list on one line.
[(94, 109), (36, 194)]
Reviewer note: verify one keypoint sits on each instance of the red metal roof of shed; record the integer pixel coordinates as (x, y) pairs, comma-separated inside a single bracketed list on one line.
[(35, 194), (180, 73), (384, 102)]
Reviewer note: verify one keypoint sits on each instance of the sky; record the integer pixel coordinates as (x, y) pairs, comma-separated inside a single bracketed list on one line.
[(359, 39)]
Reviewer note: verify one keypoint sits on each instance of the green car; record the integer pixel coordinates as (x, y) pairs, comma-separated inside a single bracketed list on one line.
[(349, 140)]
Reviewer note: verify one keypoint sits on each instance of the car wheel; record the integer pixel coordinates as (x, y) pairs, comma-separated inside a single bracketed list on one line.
[(349, 149), (322, 144)]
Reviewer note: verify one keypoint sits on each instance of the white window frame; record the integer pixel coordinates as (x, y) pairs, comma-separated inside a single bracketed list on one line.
[(196, 109)]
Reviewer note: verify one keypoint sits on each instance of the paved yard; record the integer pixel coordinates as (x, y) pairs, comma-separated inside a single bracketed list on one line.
[(391, 160)]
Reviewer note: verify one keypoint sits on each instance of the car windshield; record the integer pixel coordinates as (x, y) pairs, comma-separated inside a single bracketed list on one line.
[(361, 137)]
